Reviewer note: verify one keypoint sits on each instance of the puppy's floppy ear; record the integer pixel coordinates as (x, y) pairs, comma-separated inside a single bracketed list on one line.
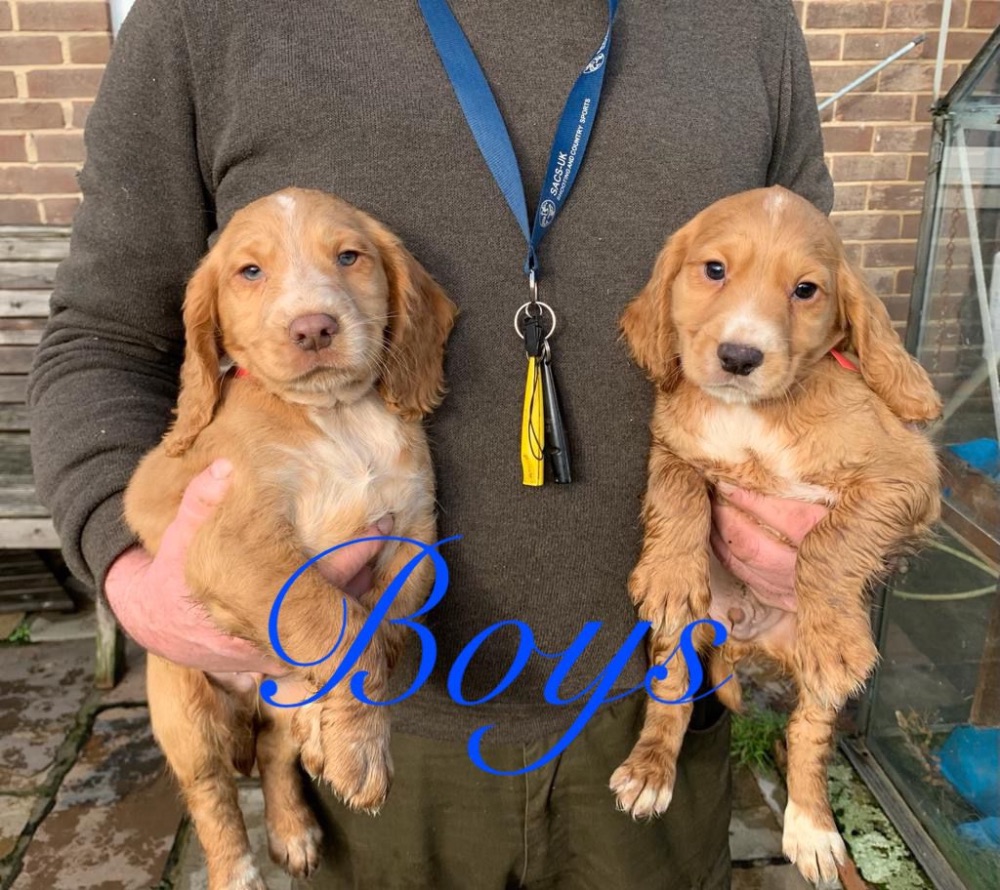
[(200, 383), (646, 322), (888, 369), (420, 318)]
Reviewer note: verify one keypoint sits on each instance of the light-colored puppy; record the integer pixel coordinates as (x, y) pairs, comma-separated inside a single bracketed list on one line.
[(338, 334)]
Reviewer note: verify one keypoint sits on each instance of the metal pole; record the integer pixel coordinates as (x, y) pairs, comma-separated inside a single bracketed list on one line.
[(871, 72), (942, 43)]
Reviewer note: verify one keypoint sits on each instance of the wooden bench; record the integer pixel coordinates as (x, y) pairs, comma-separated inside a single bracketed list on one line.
[(28, 260)]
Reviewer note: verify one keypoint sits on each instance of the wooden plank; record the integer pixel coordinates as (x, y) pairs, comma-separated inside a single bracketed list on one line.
[(16, 359), (31, 243), (15, 456), (13, 418), (21, 331), (13, 388), (28, 274), (24, 303), (19, 501), (28, 534)]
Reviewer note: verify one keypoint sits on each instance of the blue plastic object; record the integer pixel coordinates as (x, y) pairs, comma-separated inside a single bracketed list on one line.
[(982, 454), (970, 761), (984, 833)]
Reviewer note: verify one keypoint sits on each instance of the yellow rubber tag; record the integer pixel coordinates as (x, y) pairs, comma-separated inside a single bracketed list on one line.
[(533, 428)]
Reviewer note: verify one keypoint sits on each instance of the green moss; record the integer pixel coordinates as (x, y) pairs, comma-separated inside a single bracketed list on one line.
[(880, 854)]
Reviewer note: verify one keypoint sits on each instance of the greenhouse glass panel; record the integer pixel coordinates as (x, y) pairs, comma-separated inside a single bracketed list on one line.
[(929, 738)]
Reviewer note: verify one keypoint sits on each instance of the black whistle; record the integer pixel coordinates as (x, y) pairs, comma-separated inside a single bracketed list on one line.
[(556, 443)]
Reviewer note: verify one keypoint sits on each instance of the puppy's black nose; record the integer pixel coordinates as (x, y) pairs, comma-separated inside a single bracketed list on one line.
[(739, 359), (313, 332)]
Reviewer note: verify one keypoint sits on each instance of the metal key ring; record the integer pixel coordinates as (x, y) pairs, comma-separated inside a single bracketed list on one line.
[(525, 309)]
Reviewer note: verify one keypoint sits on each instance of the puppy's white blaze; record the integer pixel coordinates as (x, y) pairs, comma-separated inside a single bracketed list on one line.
[(815, 851), (748, 329), (287, 203), (774, 203)]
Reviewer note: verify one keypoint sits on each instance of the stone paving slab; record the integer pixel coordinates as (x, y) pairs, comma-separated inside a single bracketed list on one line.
[(15, 812), (754, 832), (42, 689), (115, 817), (191, 873), (50, 627)]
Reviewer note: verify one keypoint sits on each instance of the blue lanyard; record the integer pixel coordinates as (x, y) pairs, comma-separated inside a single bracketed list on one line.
[(487, 125)]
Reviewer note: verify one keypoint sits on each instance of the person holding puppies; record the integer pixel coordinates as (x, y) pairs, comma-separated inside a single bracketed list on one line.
[(208, 106)]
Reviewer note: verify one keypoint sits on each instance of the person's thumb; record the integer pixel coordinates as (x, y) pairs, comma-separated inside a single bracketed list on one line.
[(203, 494)]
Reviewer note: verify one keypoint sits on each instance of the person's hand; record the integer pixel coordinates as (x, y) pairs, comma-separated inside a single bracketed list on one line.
[(757, 537), (151, 600)]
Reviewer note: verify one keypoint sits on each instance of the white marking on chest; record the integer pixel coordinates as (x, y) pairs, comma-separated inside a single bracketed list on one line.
[(732, 434), (355, 473)]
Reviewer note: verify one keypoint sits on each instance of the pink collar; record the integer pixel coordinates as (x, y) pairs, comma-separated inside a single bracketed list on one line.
[(844, 361)]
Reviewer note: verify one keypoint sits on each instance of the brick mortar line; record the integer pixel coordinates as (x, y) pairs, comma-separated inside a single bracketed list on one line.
[(17, 32)]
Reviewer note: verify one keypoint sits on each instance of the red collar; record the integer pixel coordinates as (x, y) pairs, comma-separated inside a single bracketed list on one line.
[(241, 372), (844, 361)]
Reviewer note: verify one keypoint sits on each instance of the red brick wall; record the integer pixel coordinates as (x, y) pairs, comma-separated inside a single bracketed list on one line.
[(52, 56), (877, 137)]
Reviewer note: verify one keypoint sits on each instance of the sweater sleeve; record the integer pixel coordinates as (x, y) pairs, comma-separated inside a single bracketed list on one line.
[(104, 379), (797, 162)]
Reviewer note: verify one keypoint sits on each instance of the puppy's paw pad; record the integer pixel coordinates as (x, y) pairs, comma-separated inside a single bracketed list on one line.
[(815, 850), (643, 789), (297, 853)]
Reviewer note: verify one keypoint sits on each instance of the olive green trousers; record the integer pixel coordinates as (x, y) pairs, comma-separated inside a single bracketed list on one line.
[(448, 825)]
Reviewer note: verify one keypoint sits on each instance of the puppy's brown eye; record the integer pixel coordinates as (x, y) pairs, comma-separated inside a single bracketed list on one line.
[(715, 270), (252, 273), (805, 291), (347, 258)]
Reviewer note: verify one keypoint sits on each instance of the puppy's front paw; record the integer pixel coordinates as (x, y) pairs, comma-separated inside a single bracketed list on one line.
[(644, 784), (671, 599), (359, 768), (349, 748), (835, 672), (816, 849)]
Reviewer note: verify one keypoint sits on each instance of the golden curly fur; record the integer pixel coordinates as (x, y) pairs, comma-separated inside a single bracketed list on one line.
[(325, 439), (735, 328)]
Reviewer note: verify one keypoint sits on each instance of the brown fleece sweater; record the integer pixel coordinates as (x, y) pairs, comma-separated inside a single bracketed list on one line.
[(209, 104)]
